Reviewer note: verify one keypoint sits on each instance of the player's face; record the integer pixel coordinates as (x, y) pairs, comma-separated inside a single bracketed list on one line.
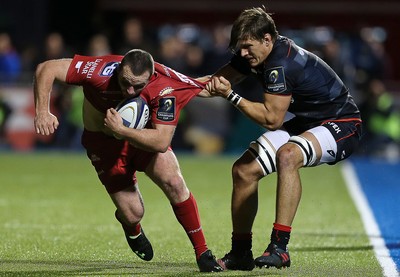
[(254, 51), (132, 85)]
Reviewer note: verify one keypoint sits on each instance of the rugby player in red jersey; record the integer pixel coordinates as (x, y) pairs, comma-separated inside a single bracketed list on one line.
[(107, 80)]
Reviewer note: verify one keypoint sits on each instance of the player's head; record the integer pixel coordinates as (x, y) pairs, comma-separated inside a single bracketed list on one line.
[(134, 72), (252, 23), (253, 35)]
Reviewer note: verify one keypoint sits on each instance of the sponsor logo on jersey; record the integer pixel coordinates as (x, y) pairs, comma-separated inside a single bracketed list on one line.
[(166, 91), (275, 80), (90, 67), (332, 153), (108, 69), (78, 65), (166, 109)]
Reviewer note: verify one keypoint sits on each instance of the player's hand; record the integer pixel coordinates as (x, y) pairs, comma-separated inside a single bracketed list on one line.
[(45, 123), (113, 120), (219, 86)]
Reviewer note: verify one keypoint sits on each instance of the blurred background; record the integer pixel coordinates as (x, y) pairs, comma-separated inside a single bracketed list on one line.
[(358, 38)]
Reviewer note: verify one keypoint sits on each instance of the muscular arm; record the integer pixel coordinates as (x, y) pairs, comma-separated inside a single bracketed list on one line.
[(45, 75), (152, 140), (270, 114)]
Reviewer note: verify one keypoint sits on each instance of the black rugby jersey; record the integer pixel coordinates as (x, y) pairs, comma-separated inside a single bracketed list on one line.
[(318, 94)]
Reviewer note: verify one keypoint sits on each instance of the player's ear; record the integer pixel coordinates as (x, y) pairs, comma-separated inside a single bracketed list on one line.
[(267, 38)]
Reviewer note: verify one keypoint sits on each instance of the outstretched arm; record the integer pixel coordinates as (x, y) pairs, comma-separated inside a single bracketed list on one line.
[(270, 114), (46, 73)]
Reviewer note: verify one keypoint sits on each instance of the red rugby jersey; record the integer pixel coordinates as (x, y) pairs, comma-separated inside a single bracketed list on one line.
[(166, 94)]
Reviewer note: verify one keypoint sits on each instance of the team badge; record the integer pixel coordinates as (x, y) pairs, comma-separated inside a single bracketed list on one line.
[(166, 91), (275, 80), (166, 109), (109, 68)]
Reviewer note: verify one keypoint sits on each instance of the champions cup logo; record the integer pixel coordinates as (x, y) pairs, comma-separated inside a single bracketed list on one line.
[(168, 105), (273, 76), (166, 110)]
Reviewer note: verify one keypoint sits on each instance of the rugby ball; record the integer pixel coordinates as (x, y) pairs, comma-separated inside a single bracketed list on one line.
[(134, 112)]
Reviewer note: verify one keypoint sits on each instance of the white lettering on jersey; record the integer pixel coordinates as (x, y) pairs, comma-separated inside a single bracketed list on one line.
[(181, 76), (90, 67), (185, 78)]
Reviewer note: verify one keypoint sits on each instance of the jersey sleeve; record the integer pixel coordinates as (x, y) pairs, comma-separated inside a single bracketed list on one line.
[(91, 69), (167, 109), (75, 74), (240, 64)]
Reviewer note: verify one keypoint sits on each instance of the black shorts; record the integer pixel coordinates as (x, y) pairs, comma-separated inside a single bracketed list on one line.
[(347, 134)]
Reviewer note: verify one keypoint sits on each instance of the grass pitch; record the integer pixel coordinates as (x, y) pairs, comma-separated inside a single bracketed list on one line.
[(56, 219)]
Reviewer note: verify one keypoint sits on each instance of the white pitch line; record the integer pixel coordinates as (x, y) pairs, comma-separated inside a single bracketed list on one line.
[(368, 219)]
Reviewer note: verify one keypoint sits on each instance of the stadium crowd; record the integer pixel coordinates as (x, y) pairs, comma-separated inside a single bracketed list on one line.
[(360, 60)]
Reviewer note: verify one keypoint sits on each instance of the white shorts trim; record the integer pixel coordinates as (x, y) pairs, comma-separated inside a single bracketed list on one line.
[(327, 143)]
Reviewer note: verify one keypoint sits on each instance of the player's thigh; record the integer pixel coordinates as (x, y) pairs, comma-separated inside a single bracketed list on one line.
[(164, 170), (163, 167), (324, 144), (263, 150)]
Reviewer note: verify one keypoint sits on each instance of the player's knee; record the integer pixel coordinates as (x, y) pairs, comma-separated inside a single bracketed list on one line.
[(239, 173), (175, 182), (175, 188), (246, 172), (286, 157), (306, 147)]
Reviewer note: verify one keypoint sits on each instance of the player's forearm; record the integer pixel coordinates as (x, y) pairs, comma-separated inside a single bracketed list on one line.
[(42, 86), (45, 75), (259, 114), (146, 139)]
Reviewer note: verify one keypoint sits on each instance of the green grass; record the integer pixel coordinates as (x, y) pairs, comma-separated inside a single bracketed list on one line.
[(57, 220)]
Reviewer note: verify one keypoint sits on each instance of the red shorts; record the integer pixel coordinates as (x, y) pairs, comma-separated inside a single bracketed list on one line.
[(115, 161)]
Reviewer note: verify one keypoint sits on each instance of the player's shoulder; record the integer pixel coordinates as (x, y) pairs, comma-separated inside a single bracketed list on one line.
[(78, 57), (281, 51), (288, 55), (92, 67), (107, 63)]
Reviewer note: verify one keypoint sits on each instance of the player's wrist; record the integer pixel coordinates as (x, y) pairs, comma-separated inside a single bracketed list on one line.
[(234, 98)]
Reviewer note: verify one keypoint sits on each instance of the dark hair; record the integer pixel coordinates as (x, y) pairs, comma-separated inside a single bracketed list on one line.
[(252, 23), (139, 61)]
